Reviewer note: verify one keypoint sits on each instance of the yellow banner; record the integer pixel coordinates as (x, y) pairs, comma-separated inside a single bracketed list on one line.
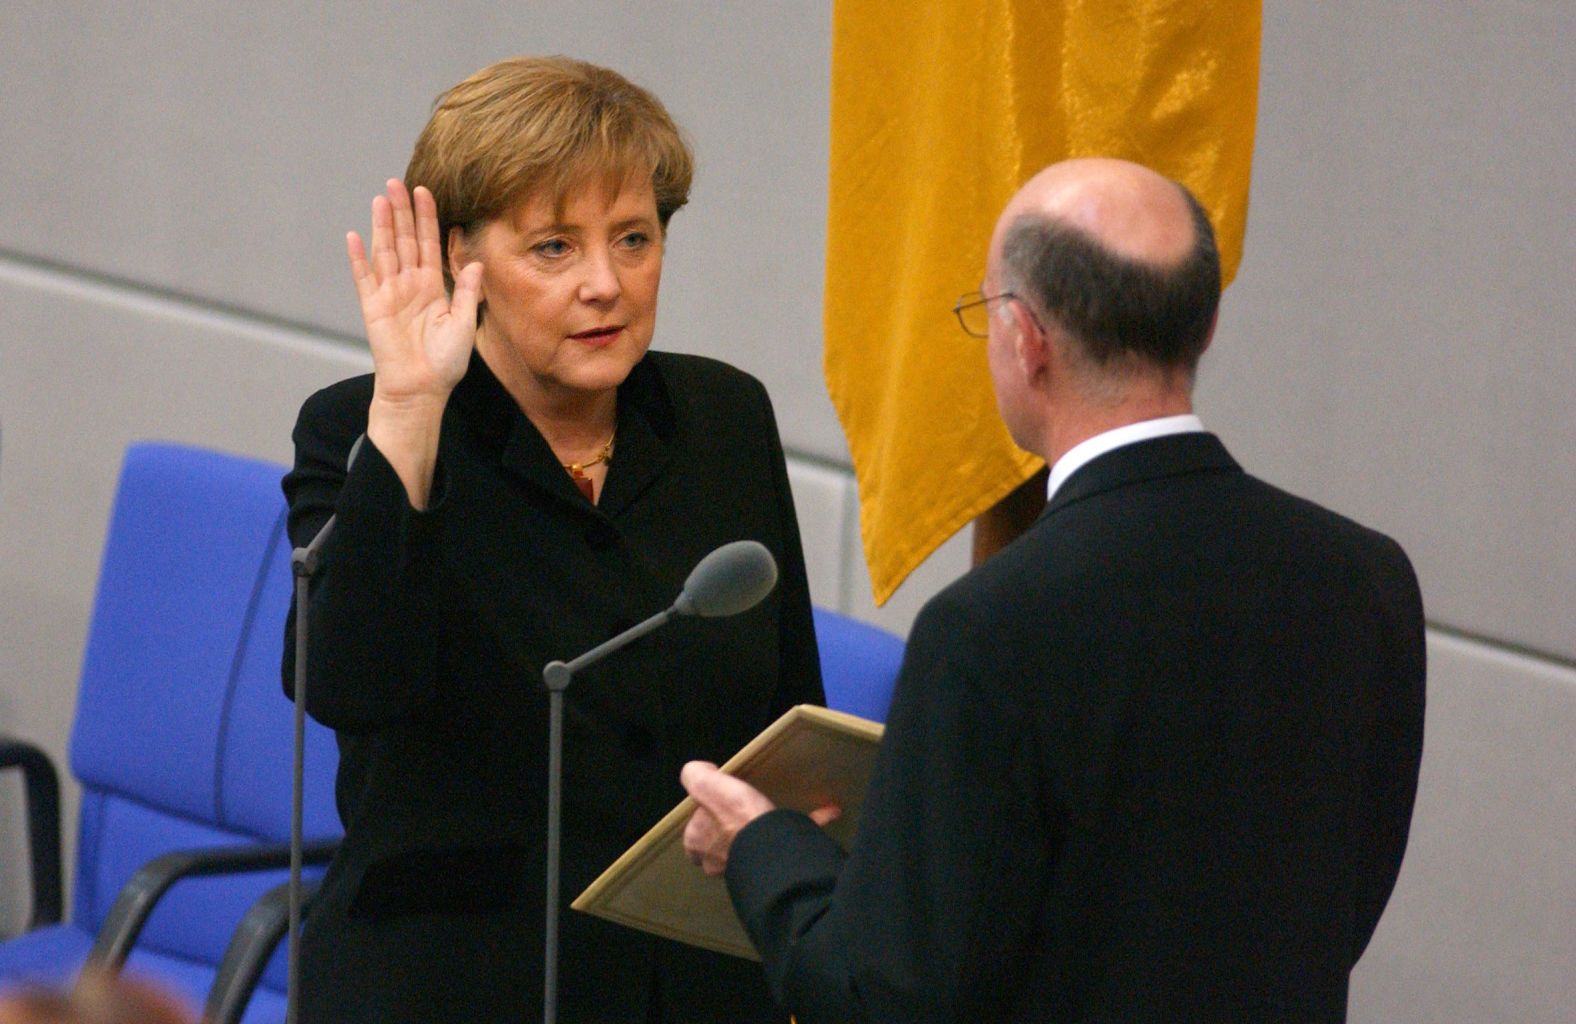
[(940, 110)]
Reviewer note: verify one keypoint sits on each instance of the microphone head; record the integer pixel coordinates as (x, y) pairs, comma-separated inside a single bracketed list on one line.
[(730, 580)]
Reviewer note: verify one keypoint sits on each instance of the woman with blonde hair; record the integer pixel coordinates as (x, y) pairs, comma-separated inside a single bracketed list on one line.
[(534, 478)]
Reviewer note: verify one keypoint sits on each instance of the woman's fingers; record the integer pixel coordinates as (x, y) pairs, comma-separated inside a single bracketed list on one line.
[(360, 269), (428, 252), (404, 224), (385, 264), (420, 336), (404, 234)]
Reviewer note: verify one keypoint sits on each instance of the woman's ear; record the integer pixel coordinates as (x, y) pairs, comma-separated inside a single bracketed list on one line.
[(457, 256)]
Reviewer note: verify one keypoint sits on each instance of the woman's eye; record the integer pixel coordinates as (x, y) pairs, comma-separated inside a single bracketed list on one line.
[(635, 240), (551, 248)]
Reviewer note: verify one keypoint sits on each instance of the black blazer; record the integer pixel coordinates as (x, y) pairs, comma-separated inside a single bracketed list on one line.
[(1155, 761), (430, 631)]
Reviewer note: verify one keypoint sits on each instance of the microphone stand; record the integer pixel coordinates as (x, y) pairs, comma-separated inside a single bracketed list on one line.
[(558, 675), (303, 566)]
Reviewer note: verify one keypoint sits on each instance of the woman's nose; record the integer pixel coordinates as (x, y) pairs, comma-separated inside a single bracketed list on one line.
[(600, 283)]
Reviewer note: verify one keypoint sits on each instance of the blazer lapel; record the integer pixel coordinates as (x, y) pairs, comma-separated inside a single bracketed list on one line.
[(646, 438), (641, 450), (528, 456), (501, 431)]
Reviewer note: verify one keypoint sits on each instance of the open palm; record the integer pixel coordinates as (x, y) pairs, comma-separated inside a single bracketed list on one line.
[(421, 337)]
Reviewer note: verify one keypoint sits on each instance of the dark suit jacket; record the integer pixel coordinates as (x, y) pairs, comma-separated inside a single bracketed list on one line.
[(430, 631), (1155, 761)]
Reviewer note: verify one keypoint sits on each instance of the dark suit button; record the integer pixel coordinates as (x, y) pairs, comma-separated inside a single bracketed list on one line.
[(639, 743), (600, 536)]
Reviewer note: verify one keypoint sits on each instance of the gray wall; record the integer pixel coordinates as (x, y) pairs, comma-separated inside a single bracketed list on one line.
[(177, 179)]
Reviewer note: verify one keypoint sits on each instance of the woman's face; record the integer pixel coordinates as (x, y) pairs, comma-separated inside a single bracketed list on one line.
[(571, 292)]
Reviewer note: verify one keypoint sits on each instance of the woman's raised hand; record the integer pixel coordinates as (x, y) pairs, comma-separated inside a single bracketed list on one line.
[(421, 338)]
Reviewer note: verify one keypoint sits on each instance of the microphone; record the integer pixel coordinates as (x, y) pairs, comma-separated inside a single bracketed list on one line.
[(732, 579)]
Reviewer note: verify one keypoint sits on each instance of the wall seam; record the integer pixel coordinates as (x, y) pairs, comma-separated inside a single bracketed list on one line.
[(174, 302), (1501, 646), (170, 300)]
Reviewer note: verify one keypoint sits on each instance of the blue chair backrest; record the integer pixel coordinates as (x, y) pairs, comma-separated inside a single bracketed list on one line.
[(859, 664), (182, 735)]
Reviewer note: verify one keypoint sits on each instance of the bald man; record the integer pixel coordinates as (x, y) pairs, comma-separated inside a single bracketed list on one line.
[(1154, 761)]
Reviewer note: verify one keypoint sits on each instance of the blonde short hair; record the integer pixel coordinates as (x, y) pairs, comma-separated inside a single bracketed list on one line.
[(543, 124)]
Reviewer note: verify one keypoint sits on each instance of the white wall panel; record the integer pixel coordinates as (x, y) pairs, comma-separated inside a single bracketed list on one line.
[(1395, 345), (821, 502), (1398, 345), (222, 151), (1482, 925)]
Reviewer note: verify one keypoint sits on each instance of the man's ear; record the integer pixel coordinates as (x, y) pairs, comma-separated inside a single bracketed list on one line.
[(1031, 343), (1209, 338)]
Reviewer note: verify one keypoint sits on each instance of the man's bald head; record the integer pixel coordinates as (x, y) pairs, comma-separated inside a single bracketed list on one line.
[(1125, 207), (1119, 257)]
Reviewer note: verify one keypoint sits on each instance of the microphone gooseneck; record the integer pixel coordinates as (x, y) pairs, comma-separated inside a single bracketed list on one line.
[(731, 579)]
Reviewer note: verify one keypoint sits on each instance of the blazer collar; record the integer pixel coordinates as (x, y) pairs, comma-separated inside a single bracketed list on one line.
[(644, 444), (1173, 455)]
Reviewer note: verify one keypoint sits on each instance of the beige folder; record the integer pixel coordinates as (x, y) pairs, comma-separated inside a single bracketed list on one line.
[(807, 758)]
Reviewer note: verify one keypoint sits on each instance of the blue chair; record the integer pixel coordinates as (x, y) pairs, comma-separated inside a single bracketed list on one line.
[(182, 735), (859, 664)]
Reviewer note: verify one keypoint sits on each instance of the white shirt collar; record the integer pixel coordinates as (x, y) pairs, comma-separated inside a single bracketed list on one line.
[(1085, 451)]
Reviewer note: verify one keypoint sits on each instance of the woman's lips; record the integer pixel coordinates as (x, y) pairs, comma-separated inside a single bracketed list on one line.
[(597, 337)]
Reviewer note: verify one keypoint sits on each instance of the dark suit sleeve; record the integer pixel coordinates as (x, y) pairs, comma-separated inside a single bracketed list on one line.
[(800, 676), (373, 630), (1395, 750), (932, 914)]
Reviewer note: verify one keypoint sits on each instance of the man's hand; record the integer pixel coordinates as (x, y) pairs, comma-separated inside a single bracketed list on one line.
[(726, 805)]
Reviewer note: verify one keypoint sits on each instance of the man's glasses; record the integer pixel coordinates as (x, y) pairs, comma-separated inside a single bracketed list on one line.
[(973, 311)]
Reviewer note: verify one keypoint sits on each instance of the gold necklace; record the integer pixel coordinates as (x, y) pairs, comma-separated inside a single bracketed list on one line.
[(577, 470)]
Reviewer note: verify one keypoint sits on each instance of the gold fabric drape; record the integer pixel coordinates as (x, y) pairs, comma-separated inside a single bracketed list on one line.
[(940, 110)]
